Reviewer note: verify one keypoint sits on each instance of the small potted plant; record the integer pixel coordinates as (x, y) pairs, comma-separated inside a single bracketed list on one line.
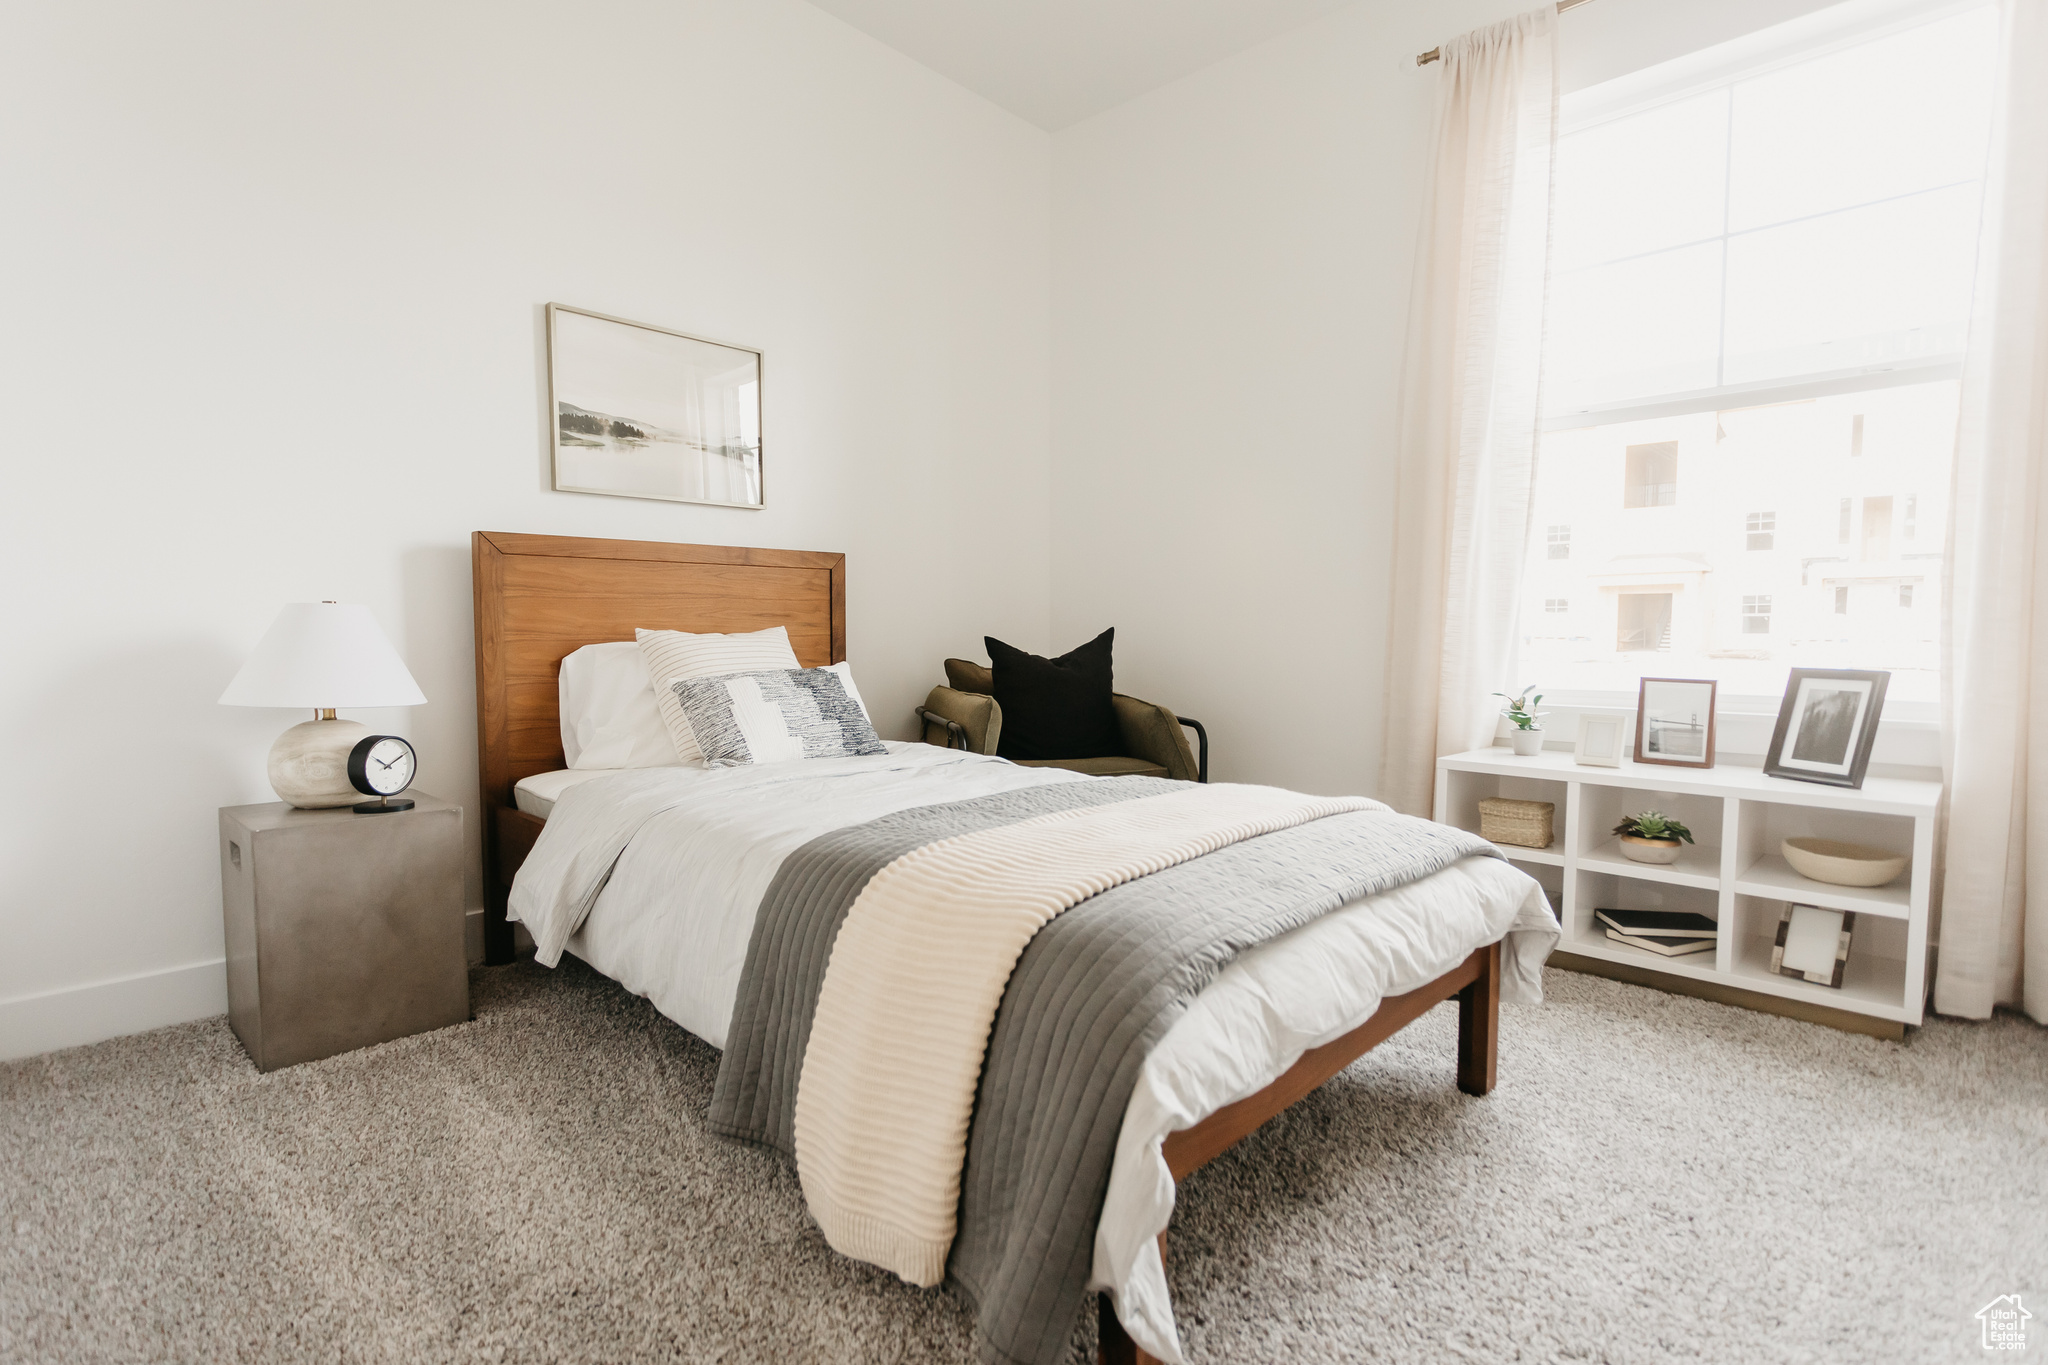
[(1652, 837), (1528, 722)]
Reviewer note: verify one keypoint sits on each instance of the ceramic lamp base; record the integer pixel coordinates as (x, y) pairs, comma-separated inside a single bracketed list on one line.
[(309, 763)]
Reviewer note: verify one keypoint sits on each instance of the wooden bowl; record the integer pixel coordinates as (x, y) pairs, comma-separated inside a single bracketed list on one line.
[(1840, 864)]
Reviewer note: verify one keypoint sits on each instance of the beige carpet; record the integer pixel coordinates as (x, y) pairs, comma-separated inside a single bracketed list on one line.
[(1656, 1179)]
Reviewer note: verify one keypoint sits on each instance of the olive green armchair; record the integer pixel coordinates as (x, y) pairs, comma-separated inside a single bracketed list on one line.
[(964, 715)]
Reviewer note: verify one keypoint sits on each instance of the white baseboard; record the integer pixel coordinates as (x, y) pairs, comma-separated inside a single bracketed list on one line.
[(33, 1024)]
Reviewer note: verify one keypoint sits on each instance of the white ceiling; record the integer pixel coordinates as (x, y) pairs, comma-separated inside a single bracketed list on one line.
[(1056, 62)]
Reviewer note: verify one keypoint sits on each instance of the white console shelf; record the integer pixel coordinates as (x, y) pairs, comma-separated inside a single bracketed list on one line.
[(1734, 874)]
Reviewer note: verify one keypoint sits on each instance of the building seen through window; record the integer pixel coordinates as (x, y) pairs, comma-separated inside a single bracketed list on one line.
[(1760, 294)]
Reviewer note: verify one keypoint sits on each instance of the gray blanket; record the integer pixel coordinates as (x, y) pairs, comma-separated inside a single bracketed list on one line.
[(1096, 988)]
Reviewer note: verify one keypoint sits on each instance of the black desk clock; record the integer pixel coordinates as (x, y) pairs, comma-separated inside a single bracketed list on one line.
[(381, 766)]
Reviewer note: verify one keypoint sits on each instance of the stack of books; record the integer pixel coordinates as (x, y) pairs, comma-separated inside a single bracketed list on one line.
[(1668, 933)]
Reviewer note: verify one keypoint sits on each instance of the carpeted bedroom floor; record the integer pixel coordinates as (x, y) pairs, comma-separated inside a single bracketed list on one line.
[(1655, 1179)]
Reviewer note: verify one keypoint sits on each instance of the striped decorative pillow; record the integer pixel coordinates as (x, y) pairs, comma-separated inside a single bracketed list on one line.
[(674, 656), (774, 717)]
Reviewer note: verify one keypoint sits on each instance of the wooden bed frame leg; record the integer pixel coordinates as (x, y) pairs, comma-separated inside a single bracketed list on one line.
[(1114, 1345), (1479, 1026)]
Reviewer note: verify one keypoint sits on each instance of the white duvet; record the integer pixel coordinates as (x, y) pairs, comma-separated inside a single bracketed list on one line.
[(690, 852)]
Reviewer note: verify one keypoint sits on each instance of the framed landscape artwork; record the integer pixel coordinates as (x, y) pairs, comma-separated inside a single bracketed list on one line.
[(1827, 725), (643, 412), (1675, 721)]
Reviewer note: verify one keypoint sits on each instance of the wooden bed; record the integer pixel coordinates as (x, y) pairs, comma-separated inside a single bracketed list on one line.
[(538, 598)]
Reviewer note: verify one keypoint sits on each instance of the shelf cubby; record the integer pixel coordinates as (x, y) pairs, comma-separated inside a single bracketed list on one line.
[(1873, 981)]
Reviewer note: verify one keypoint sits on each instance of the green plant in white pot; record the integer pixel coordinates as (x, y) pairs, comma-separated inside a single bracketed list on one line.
[(1521, 712), (1652, 837)]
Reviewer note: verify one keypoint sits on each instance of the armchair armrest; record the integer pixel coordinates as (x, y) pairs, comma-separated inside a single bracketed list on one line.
[(963, 720), (1153, 733)]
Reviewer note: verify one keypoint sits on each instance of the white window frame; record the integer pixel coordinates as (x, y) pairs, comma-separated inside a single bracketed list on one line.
[(1716, 68)]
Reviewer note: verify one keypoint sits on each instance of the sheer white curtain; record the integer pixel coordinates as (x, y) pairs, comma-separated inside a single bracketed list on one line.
[(1994, 926), (1467, 426)]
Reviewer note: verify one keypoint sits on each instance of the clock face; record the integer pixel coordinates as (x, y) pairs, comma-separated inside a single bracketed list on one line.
[(388, 766)]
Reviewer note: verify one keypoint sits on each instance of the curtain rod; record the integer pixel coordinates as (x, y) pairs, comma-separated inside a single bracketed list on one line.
[(1436, 53)]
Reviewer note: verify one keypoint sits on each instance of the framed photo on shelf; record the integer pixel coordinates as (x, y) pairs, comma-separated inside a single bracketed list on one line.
[(642, 412), (1601, 735), (1675, 721), (1813, 944), (1827, 725)]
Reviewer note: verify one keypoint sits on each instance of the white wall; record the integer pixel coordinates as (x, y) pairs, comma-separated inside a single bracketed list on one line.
[(273, 277), (1231, 258), (1230, 268)]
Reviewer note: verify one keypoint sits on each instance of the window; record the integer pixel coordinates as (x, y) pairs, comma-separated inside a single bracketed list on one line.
[(1652, 479), (1643, 622), (1559, 541), (1906, 596), (1762, 258), (1877, 528), (1762, 528), (1555, 605)]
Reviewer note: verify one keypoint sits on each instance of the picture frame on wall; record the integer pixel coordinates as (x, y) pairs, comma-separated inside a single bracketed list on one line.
[(1601, 737), (1827, 724), (638, 411), (1675, 721)]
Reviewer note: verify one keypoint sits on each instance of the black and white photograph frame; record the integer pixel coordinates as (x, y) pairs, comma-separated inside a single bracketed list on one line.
[(1812, 944), (1675, 721), (639, 411), (1827, 724)]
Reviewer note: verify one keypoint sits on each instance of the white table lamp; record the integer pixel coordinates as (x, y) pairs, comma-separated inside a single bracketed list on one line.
[(321, 655)]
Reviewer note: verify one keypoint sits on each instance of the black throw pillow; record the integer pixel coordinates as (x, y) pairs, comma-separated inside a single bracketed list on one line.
[(1056, 708)]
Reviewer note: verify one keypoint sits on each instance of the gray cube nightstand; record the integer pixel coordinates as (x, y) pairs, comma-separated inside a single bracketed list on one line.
[(343, 930)]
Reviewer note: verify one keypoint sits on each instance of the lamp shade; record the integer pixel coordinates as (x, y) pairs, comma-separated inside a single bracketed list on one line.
[(323, 654)]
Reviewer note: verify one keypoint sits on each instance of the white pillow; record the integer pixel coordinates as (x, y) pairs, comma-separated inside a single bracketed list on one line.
[(609, 719), (674, 656)]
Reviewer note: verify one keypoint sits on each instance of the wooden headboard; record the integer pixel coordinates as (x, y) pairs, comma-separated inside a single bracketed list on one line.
[(539, 598)]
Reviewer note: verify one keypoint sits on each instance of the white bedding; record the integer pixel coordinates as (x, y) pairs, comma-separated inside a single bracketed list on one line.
[(537, 795), (695, 850)]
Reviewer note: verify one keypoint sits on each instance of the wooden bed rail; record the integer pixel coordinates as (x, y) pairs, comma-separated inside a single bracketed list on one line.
[(1476, 984)]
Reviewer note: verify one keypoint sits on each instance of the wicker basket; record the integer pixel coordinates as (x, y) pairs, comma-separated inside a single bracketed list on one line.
[(1526, 824)]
